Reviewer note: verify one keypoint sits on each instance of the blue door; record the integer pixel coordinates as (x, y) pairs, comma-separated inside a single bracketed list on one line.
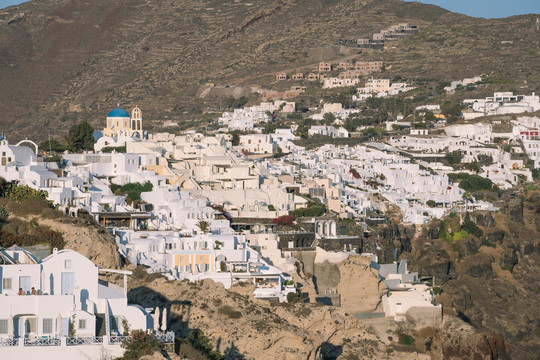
[(25, 282), (18, 326), (68, 283)]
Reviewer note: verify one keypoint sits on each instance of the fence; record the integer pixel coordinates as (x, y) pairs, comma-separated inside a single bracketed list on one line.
[(86, 340), (165, 338), (45, 341)]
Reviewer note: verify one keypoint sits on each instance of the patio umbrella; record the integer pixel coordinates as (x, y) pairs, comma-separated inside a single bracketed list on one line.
[(58, 325), (164, 319), (155, 316), (11, 327)]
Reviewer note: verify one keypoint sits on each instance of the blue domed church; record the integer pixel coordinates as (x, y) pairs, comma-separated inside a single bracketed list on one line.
[(119, 123)]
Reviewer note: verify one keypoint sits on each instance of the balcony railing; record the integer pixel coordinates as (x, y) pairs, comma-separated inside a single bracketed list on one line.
[(9, 342), (166, 338), (44, 341), (86, 340), (117, 339)]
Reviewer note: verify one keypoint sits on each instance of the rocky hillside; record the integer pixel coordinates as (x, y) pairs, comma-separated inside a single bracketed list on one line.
[(241, 327), (33, 222), (488, 266), (63, 61)]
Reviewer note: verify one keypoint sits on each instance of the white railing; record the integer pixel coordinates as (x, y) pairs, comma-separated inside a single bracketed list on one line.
[(117, 339), (45, 341), (86, 340), (9, 342), (166, 338)]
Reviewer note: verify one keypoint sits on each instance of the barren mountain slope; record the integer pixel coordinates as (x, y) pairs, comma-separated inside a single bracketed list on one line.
[(63, 61)]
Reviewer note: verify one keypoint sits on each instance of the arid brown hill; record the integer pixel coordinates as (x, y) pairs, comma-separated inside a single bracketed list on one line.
[(63, 61)]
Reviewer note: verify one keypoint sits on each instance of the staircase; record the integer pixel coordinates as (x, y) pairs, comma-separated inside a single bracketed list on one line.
[(101, 328)]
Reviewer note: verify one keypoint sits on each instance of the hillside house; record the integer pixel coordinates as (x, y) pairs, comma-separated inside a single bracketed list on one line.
[(60, 301), (313, 77), (325, 66)]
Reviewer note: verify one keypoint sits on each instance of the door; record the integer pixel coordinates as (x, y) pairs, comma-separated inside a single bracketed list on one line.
[(399, 308), (18, 326), (64, 329), (25, 283), (68, 283)]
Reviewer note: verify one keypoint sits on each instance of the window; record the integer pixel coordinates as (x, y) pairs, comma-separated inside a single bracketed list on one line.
[(47, 326), (6, 283), (3, 326), (82, 324), (67, 264)]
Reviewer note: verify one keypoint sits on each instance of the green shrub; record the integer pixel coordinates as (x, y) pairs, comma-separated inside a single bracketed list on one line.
[(488, 243), (405, 339), (476, 183), (200, 343), (21, 192), (296, 297), (472, 228), (230, 312), (30, 206), (131, 190), (454, 157), (110, 149), (139, 344)]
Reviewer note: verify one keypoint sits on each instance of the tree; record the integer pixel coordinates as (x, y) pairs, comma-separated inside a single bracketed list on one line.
[(203, 225), (140, 344), (52, 145), (329, 118), (80, 137), (485, 160), (454, 157), (474, 166), (451, 111), (235, 139)]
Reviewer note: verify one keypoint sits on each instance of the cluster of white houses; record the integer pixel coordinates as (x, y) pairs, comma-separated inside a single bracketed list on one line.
[(184, 230), (501, 103), (58, 306)]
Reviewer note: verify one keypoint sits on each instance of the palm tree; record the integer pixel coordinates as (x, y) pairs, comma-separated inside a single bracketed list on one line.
[(203, 225)]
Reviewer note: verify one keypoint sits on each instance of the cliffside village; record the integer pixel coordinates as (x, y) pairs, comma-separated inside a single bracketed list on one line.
[(241, 212)]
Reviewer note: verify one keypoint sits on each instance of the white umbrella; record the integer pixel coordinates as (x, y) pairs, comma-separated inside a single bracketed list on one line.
[(155, 316), (164, 319), (11, 327), (58, 324)]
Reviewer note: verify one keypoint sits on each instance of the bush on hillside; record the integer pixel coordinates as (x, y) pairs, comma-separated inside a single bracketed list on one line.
[(139, 344), (230, 312), (472, 228)]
